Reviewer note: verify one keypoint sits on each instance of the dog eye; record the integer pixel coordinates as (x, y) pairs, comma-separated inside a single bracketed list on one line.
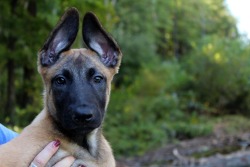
[(98, 79), (60, 80)]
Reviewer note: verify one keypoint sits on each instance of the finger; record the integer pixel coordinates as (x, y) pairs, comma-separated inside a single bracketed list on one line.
[(65, 162), (44, 156)]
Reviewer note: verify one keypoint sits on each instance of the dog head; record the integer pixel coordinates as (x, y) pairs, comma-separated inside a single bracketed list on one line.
[(77, 82)]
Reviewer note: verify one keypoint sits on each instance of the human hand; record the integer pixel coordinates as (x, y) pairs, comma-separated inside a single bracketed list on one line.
[(44, 156)]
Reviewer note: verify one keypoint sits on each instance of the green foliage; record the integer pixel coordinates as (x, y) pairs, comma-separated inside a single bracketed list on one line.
[(220, 70)]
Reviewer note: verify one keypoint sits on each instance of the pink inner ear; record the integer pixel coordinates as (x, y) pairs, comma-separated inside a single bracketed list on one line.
[(105, 49), (109, 56)]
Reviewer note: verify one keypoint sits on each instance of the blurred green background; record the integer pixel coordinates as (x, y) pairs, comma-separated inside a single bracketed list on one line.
[(185, 67)]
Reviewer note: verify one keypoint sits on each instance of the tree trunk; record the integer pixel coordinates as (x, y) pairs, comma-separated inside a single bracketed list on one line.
[(10, 103), (28, 76), (28, 71)]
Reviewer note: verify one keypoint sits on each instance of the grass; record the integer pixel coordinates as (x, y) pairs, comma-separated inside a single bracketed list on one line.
[(231, 124)]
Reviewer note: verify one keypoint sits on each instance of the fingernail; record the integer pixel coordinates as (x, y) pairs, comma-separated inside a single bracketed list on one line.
[(57, 143)]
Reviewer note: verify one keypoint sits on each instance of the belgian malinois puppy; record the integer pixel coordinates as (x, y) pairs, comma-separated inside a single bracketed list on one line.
[(77, 85)]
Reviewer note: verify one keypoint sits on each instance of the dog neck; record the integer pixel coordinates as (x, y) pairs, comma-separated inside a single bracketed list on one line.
[(88, 141)]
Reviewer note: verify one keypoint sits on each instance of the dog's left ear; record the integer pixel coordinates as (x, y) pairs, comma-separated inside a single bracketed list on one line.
[(97, 39)]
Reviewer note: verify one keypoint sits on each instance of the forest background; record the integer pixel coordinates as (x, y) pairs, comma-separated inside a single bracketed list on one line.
[(185, 68)]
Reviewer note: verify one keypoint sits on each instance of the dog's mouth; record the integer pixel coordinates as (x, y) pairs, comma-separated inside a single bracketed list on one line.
[(74, 130), (82, 130), (82, 127), (78, 128)]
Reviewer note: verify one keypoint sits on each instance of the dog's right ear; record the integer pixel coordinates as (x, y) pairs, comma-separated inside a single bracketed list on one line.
[(98, 40), (61, 38)]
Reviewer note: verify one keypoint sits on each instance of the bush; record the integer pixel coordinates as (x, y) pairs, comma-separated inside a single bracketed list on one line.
[(220, 73)]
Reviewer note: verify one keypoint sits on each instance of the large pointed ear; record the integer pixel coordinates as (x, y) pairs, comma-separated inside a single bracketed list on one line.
[(61, 38), (97, 39)]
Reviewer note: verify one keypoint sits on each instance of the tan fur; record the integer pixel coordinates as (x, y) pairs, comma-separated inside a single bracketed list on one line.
[(22, 150)]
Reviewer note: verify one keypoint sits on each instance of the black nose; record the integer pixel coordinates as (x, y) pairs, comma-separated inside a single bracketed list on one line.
[(82, 114)]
